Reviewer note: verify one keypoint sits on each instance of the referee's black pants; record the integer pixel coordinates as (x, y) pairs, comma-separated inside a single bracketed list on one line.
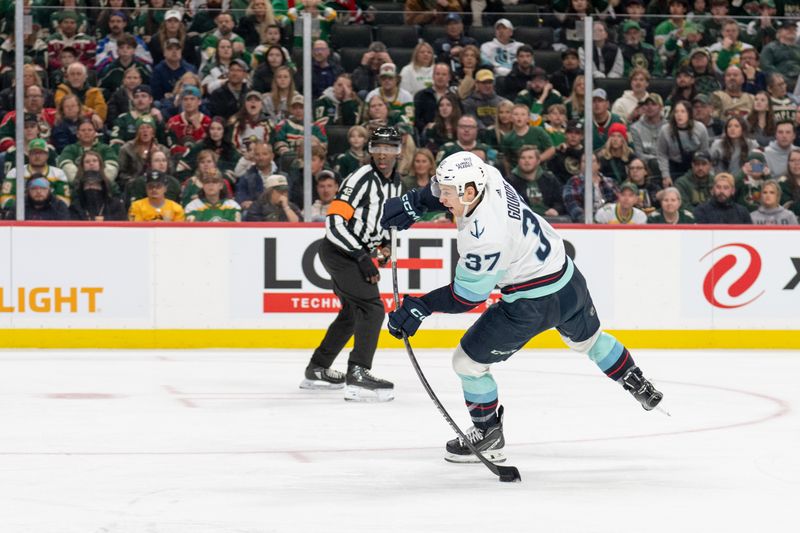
[(361, 315)]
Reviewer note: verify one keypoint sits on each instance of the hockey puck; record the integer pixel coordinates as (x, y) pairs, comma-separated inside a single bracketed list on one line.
[(509, 474)]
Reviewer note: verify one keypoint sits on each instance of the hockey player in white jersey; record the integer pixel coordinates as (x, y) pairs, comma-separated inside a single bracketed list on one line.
[(502, 243)]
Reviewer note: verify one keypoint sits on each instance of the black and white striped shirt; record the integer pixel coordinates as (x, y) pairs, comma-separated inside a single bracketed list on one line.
[(353, 221)]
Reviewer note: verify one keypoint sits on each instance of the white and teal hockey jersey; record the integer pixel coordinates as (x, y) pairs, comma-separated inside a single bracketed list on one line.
[(503, 243)]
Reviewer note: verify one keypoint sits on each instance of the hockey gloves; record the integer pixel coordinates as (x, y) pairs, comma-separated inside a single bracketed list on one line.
[(401, 212), (368, 269), (408, 318)]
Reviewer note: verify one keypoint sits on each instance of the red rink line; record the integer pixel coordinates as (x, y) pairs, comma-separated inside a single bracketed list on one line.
[(782, 409)]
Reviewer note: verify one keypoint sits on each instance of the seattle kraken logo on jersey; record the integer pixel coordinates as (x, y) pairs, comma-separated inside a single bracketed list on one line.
[(478, 230)]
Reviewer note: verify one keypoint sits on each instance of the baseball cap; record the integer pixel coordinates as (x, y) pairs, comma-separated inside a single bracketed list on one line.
[(701, 155), (600, 93), (539, 72), (569, 52), (277, 181), (39, 181), (172, 42), (298, 99), (575, 125), (30, 118), (120, 14), (701, 99), (484, 75), (388, 69), (173, 14), (767, 3), (145, 120), (37, 144), (155, 177), (757, 155), (452, 17), (65, 15), (629, 186), (190, 90), (253, 94), (504, 22), (630, 25), (143, 88), (241, 64), (686, 71), (788, 24), (653, 97)]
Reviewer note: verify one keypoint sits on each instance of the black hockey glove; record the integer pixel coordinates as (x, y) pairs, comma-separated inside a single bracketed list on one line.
[(401, 212), (368, 268), (408, 318)]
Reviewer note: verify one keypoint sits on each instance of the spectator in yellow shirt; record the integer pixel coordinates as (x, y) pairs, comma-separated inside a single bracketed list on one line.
[(156, 207)]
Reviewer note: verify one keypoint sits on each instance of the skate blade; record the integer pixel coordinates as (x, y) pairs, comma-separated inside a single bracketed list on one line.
[(315, 384), (662, 410), (360, 394), (492, 456)]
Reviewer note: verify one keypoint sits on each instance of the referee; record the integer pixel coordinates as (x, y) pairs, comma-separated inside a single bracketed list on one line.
[(352, 233)]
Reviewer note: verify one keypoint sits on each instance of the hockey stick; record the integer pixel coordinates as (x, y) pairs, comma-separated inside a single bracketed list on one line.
[(505, 473)]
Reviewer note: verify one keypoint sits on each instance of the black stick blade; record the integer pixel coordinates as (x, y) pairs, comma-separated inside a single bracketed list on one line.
[(508, 474)]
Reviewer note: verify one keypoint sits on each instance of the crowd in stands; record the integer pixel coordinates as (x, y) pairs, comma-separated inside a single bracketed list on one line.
[(149, 110)]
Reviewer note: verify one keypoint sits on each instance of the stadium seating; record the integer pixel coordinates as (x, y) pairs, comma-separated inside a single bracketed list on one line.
[(397, 36), (352, 35)]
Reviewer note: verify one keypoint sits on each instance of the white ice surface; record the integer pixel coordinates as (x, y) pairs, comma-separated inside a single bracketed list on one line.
[(225, 442)]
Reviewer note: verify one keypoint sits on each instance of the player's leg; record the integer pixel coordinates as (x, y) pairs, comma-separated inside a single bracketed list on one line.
[(581, 331), (500, 332)]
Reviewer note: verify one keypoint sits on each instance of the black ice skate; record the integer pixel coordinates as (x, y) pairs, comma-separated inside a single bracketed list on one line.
[(489, 442), (634, 382), (319, 378), (362, 386)]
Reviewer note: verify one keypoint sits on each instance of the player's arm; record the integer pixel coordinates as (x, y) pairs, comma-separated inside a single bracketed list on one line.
[(477, 273), (401, 212)]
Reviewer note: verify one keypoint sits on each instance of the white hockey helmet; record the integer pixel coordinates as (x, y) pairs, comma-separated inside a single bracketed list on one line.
[(457, 171)]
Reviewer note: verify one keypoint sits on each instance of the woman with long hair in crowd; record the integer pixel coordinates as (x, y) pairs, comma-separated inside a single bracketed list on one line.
[(94, 197), (761, 120), (729, 152), (615, 154), (206, 167), (122, 99), (639, 175), (172, 28), (405, 162), (218, 142), (423, 168), (253, 25), (150, 19), (377, 113), (276, 102), (574, 103), (274, 58), (418, 74), (465, 74), (790, 183), (65, 130), (134, 156), (159, 161), (215, 73), (356, 155), (677, 141), (250, 124), (445, 123)]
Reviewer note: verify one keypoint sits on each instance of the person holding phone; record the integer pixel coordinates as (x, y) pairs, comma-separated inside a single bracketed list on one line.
[(750, 180)]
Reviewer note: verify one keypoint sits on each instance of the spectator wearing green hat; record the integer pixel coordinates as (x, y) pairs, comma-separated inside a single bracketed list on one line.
[(636, 53), (30, 132), (37, 165), (679, 45)]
